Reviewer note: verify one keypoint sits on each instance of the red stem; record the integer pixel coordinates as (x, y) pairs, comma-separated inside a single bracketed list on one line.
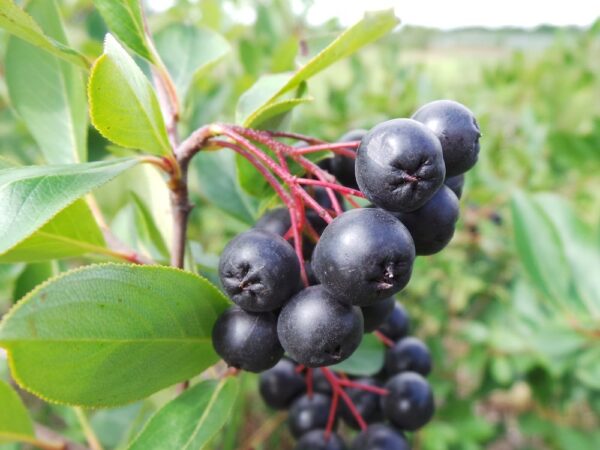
[(335, 384), (364, 387), (309, 382), (336, 187), (332, 410), (383, 338), (340, 148), (296, 136)]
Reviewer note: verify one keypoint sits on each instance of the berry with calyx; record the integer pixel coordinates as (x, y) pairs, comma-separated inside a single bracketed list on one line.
[(380, 437), (456, 184), (309, 413), (343, 167), (317, 440), (375, 315), (457, 129), (367, 404), (246, 340), (364, 256), (259, 270), (281, 385), (409, 354), (276, 220), (432, 225), (399, 165), (409, 404), (318, 330), (397, 324)]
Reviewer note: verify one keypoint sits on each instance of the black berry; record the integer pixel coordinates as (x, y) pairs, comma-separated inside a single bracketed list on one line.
[(342, 167), (247, 340), (364, 255), (309, 413), (276, 220), (316, 440), (317, 330), (456, 183), (367, 404), (456, 128), (281, 385), (397, 325), (375, 315), (409, 354), (432, 225), (259, 270), (380, 437), (409, 404), (320, 382), (399, 165)]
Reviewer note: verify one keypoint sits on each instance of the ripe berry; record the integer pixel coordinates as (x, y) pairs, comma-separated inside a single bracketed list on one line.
[(259, 270), (399, 165), (316, 440), (276, 220), (409, 354), (375, 315), (380, 437), (456, 128), (409, 404), (320, 382), (397, 324), (432, 225), (309, 413), (456, 183), (363, 256), (342, 167), (322, 198), (367, 404), (317, 330), (247, 340), (281, 385)]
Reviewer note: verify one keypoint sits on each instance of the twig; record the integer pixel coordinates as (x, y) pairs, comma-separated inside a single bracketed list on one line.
[(51, 440), (90, 435)]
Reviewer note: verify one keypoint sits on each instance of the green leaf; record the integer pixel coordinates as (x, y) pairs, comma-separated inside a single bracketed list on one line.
[(123, 105), (274, 109), (124, 19), (110, 334), (20, 24), (219, 184), (199, 413), (367, 360), (33, 275), (72, 232), (48, 92), (270, 87), (15, 423), (30, 196), (187, 51)]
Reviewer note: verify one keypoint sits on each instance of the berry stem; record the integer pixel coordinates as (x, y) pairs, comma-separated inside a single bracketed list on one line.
[(336, 386), (383, 338), (296, 136), (363, 387), (339, 148), (334, 186), (332, 411), (309, 382)]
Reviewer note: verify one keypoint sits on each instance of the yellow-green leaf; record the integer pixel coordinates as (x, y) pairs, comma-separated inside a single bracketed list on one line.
[(15, 423)]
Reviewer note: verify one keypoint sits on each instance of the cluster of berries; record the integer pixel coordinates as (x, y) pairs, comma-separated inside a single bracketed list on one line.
[(412, 172), (398, 394)]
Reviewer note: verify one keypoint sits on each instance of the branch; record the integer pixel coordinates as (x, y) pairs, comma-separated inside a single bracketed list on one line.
[(51, 440)]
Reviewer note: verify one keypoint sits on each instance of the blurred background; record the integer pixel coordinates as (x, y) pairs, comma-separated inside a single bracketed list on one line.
[(511, 309)]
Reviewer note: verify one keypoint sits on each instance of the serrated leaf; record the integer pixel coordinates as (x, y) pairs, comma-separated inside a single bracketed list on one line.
[(15, 423), (219, 184), (72, 232), (123, 104), (30, 196), (187, 51), (20, 24), (367, 360), (269, 88), (110, 334), (124, 19), (48, 92), (199, 414)]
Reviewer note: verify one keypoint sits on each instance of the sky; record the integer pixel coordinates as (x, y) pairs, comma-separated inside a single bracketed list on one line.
[(449, 13)]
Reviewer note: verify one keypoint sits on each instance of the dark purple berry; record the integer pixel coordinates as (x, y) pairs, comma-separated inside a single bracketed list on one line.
[(409, 354), (342, 167), (309, 413), (375, 315), (247, 340), (380, 437), (456, 128), (276, 220), (259, 270), (409, 404), (367, 404), (364, 255), (397, 325), (399, 165), (281, 385), (456, 184), (316, 440), (318, 330)]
